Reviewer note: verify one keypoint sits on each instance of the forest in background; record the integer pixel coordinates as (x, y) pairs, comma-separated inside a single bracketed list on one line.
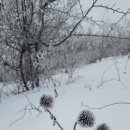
[(39, 38)]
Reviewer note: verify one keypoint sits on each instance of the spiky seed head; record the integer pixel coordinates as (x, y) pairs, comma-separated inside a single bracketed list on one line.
[(103, 127), (46, 101), (86, 119)]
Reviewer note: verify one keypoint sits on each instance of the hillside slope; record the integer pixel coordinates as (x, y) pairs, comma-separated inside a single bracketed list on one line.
[(95, 85)]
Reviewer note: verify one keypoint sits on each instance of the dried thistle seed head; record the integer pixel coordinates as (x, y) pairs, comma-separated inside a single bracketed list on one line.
[(47, 101), (103, 127), (86, 119)]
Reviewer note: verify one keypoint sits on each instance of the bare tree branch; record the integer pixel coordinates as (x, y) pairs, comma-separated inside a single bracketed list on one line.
[(111, 8), (81, 8), (101, 36), (75, 27), (114, 25)]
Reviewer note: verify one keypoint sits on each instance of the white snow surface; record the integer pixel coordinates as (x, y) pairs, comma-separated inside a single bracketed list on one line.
[(68, 104)]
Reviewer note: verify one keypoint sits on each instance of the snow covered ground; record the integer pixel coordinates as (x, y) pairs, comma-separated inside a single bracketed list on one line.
[(95, 85)]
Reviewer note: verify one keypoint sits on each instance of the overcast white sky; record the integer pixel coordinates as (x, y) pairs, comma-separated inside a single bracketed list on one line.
[(100, 13)]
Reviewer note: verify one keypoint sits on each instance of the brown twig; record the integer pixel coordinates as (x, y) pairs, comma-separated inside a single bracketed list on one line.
[(118, 79), (32, 107), (105, 106)]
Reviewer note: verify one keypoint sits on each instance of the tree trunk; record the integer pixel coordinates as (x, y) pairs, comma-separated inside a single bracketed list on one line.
[(22, 71), (31, 72), (37, 72)]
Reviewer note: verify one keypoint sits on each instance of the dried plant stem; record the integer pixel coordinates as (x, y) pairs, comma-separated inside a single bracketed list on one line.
[(75, 125), (54, 119)]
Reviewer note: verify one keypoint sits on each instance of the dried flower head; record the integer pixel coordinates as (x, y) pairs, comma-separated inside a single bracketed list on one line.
[(86, 119), (103, 127), (46, 101)]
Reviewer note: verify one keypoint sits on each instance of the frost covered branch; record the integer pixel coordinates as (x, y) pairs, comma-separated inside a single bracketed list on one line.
[(115, 10), (99, 36)]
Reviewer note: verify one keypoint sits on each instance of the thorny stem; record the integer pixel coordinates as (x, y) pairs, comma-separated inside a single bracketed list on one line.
[(75, 125), (53, 117)]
